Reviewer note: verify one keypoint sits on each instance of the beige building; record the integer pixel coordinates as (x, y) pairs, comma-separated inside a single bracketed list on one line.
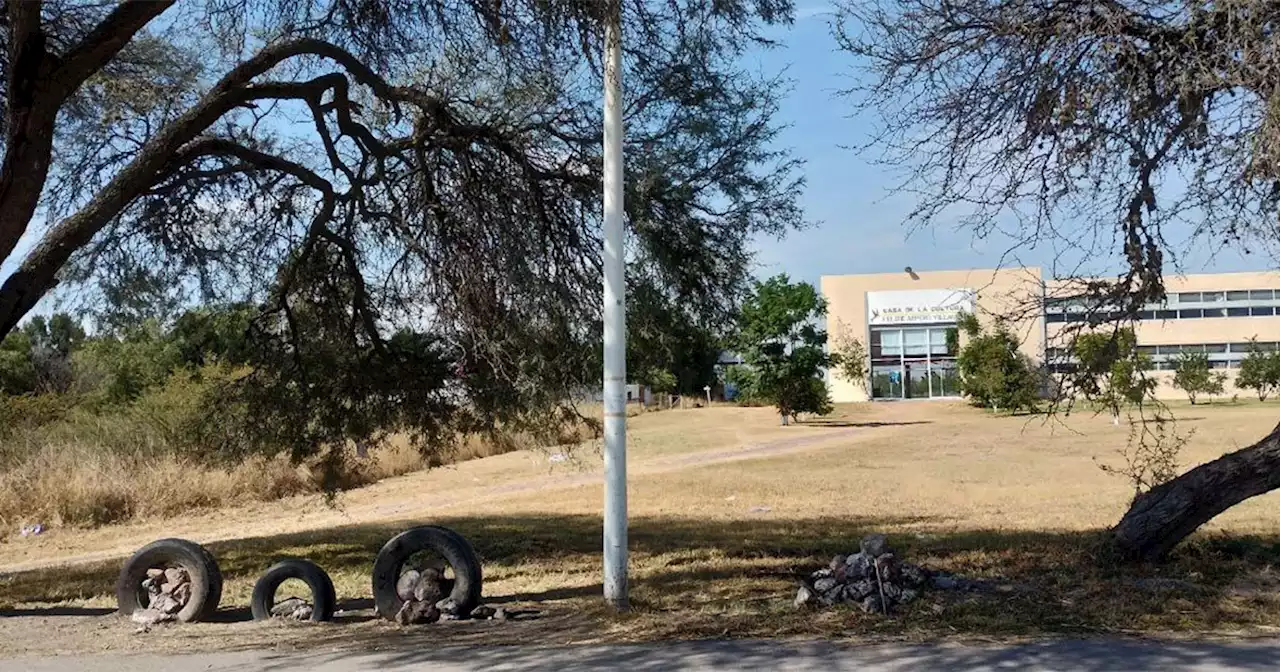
[(907, 321)]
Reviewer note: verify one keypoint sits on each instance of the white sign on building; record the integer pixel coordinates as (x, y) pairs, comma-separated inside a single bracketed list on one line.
[(918, 306)]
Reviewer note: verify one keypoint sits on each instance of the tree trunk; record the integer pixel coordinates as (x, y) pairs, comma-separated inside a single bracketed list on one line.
[(1163, 516)]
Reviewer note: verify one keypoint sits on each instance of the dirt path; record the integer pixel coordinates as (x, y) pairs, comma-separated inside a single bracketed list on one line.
[(404, 497)]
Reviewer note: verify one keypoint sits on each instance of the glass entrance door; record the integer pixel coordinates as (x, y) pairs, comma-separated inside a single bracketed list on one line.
[(944, 379), (913, 363)]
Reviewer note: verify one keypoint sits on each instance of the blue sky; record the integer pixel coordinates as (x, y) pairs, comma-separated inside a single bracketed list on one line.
[(859, 225)]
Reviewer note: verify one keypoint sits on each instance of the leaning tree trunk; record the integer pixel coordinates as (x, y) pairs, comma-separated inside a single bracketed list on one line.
[(1163, 516)]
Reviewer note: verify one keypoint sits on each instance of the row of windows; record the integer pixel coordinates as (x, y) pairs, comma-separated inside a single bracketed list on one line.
[(1233, 350), (1167, 365), (1233, 296), (1166, 314), (917, 342)]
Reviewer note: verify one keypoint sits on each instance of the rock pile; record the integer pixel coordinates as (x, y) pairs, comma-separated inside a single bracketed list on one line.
[(168, 591), (873, 578), (426, 597), (294, 608)]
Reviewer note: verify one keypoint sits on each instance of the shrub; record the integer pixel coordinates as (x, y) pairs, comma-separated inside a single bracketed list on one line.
[(993, 373)]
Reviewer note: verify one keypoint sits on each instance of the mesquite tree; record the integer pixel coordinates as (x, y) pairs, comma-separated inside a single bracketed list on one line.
[(1083, 125), (407, 191)]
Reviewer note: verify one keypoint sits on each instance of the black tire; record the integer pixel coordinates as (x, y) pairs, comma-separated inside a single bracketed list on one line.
[(323, 599), (206, 578), (453, 547)]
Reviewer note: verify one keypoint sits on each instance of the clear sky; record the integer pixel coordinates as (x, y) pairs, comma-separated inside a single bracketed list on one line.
[(858, 224)]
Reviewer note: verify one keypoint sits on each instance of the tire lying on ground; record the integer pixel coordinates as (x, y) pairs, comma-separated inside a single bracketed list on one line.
[(199, 563), (323, 599), (450, 545)]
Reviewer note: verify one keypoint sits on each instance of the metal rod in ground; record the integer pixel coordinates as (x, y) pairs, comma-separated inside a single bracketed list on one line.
[(615, 322)]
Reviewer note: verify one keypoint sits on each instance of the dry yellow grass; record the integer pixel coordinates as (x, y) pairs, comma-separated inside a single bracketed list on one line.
[(728, 510)]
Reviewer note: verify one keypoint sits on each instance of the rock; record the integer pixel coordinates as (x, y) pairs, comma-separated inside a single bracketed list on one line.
[(824, 585), (165, 604), (175, 576), (836, 563), (416, 613), (448, 606), (908, 594), (913, 575), (406, 583), (872, 605), (155, 573), (858, 590), (874, 545), (182, 593), (501, 614), (886, 567), (483, 612), (834, 595), (149, 617), (946, 582), (857, 566), (302, 613), (427, 589), (151, 587), (285, 608), (822, 574), (403, 615), (804, 596), (892, 593)]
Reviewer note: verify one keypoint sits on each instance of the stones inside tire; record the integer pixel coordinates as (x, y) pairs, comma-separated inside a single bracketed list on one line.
[(323, 599), (450, 545), (201, 567)]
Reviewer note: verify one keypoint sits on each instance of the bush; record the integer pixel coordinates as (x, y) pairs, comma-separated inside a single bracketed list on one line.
[(1259, 371), (993, 373)]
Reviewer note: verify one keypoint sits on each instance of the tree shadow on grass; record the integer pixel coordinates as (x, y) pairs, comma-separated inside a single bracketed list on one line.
[(698, 578)]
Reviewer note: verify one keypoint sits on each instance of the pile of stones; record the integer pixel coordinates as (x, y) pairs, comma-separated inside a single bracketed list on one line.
[(426, 600), (168, 591), (293, 608), (873, 579)]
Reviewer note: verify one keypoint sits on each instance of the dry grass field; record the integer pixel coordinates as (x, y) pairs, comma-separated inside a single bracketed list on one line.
[(727, 511)]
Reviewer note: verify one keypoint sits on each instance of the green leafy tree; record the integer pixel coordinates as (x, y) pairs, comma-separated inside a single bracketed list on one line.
[(1192, 375), (780, 340), (410, 163), (745, 382), (1259, 371), (17, 371), (1110, 371), (993, 373)]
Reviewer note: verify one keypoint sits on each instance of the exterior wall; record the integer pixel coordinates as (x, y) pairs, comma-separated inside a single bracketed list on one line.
[(1013, 293), (1016, 294), (1192, 331)]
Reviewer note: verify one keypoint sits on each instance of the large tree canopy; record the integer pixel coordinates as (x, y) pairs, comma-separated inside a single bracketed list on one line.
[(356, 168), (1082, 126)]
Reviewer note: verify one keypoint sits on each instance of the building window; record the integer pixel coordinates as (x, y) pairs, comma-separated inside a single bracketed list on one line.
[(1215, 312), (1187, 314), (1215, 348), (1262, 311), (1260, 295), (1189, 297), (1166, 314), (1238, 296), (1211, 297), (1237, 312)]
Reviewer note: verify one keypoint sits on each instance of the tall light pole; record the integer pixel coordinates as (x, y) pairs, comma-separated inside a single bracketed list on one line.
[(615, 321)]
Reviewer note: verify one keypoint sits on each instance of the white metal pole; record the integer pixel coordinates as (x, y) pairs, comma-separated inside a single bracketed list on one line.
[(615, 322)]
